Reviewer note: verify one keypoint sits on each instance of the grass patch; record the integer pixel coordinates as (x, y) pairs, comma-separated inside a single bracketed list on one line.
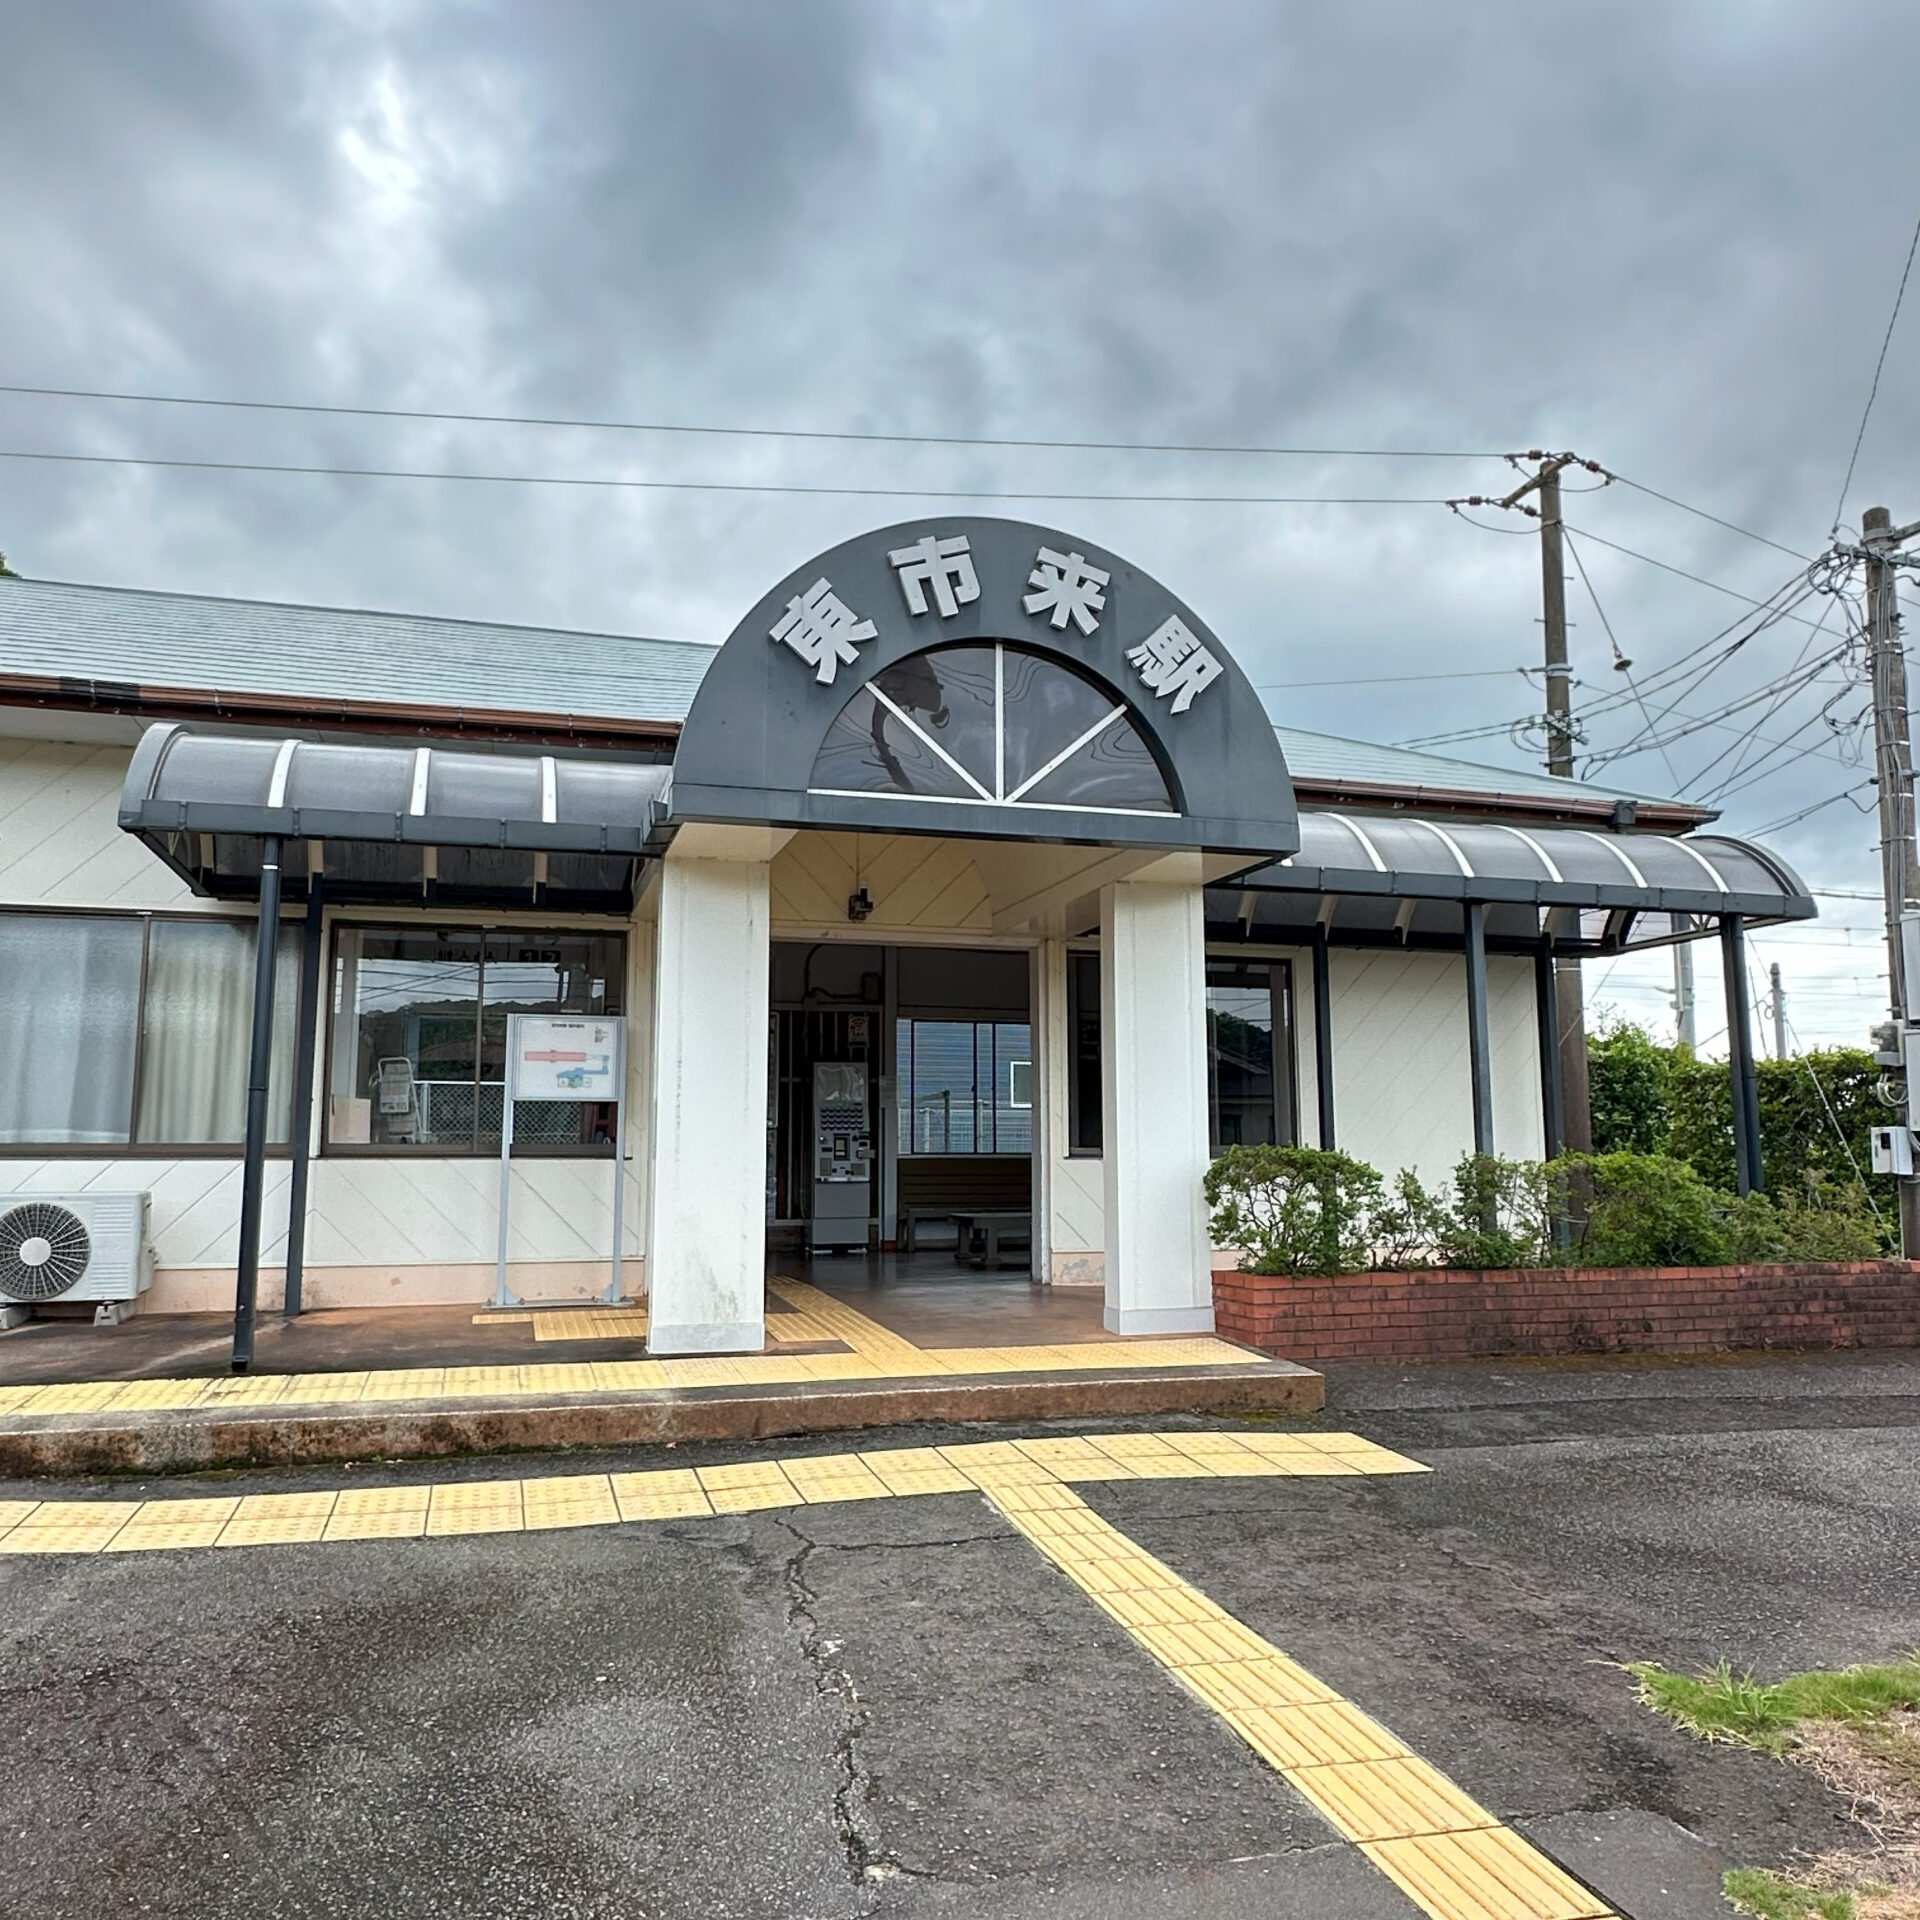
[(1751, 1890), (1723, 1705)]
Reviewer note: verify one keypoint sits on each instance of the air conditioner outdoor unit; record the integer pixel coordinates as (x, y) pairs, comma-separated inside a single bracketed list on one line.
[(65, 1249)]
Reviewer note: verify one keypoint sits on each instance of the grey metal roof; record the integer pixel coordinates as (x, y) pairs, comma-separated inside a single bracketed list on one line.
[(1329, 757), (145, 639), (60, 630)]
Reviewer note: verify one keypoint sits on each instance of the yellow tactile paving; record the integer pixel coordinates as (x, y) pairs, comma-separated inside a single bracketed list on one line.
[(69, 1526), (1450, 1856), (674, 1493), (86, 1397), (278, 1520), (905, 1471), (12, 1512), (156, 1396), (379, 1513), (825, 1477), (475, 1506), (569, 1500), (165, 1525), (1075, 1459), (1489, 1874), (748, 1487)]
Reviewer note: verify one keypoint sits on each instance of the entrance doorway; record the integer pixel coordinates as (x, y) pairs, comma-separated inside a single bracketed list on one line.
[(944, 1037)]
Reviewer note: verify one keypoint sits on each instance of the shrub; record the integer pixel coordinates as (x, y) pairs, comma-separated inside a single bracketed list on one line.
[(1643, 1210), (1501, 1215), (1409, 1228), (1293, 1209)]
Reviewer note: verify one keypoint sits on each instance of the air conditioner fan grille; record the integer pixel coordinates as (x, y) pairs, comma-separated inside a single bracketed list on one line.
[(44, 1251)]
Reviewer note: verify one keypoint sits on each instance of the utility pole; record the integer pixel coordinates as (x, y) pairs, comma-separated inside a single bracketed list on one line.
[(1880, 542), (1779, 1012), (1686, 1028), (1569, 998)]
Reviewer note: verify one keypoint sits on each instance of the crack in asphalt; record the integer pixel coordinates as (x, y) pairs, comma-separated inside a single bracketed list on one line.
[(866, 1858)]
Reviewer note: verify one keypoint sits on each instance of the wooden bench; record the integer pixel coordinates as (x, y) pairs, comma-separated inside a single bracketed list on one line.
[(978, 1237), (943, 1186)]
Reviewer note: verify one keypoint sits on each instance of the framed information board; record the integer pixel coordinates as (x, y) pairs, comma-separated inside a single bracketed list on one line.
[(556, 1056)]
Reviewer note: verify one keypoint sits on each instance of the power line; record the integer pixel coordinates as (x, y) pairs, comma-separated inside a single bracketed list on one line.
[(1878, 366), (1654, 493), (1620, 660), (1387, 680), (720, 486), (742, 433), (1699, 580)]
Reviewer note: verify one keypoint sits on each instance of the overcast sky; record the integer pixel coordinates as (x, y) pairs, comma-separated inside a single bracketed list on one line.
[(1665, 235)]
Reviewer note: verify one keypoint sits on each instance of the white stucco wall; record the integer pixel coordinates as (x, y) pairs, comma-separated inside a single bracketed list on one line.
[(381, 1229)]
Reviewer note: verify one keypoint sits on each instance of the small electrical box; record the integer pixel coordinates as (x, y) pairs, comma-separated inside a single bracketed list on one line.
[(1886, 1045), (1892, 1150)]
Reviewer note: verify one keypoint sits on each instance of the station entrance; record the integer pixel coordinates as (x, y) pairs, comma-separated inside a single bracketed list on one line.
[(900, 1107)]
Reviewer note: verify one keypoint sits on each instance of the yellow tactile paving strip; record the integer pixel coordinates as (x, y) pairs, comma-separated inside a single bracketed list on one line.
[(630, 1323), (873, 1353), (1448, 1854), (1451, 1857)]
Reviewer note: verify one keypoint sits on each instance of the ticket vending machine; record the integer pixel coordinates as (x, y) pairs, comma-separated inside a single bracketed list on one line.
[(842, 1158)]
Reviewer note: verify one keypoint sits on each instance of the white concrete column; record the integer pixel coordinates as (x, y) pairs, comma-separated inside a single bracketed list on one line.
[(1153, 1038), (1042, 1017), (707, 1184)]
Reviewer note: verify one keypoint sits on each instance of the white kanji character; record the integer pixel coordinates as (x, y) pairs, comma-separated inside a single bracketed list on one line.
[(945, 565), (1172, 661), (1068, 588), (822, 629)]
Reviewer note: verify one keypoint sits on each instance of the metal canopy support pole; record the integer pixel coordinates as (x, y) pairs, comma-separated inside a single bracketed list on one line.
[(305, 1040), (259, 1064), (502, 1297), (1552, 1099), (1479, 1049), (1323, 1034), (1748, 1169), (612, 1294)]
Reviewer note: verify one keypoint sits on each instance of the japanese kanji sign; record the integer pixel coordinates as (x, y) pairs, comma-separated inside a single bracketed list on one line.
[(1067, 588), (944, 565), (823, 630), (1174, 664)]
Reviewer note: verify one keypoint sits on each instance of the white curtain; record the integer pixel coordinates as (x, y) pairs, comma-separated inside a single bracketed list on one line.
[(196, 1030), (69, 999)]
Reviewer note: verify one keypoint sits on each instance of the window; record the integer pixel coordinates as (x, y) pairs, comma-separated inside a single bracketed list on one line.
[(420, 1035), (133, 1031), (1249, 1054), (964, 1086), (1083, 1053), (992, 724)]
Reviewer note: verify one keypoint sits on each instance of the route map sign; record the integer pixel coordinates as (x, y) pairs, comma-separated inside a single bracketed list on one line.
[(554, 1057)]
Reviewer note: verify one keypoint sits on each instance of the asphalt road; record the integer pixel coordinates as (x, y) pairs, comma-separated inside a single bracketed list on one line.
[(898, 1709)]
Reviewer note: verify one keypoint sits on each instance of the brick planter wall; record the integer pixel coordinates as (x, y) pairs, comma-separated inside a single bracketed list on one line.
[(1443, 1314)]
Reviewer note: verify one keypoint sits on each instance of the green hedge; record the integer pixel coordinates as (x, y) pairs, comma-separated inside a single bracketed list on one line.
[(1816, 1111), (1297, 1210)]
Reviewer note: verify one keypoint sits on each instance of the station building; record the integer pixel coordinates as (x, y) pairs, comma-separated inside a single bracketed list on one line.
[(967, 891)]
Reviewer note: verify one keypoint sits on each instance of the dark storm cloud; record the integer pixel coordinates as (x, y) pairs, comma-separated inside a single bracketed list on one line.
[(1668, 235)]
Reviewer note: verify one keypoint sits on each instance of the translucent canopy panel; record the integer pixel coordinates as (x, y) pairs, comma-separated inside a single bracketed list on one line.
[(393, 822), (990, 724), (1407, 878)]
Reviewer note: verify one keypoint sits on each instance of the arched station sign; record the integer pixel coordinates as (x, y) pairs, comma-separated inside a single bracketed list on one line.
[(990, 679)]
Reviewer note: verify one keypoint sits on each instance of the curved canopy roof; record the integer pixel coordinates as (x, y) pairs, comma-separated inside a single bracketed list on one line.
[(1400, 878), (497, 824)]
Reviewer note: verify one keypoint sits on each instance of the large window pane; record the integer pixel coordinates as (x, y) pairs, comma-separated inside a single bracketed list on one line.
[(197, 1031), (1249, 1055), (69, 1006), (420, 1034), (1083, 1052), (543, 972), (406, 1033), (964, 1086)]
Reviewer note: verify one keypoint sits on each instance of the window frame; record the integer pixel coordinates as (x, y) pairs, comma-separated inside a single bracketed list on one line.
[(1122, 710), (131, 1148), (484, 928), (1282, 1064), (1077, 1148), (904, 1077)]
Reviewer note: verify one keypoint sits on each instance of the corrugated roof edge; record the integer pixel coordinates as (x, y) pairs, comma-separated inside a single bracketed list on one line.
[(1510, 786), (365, 613)]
